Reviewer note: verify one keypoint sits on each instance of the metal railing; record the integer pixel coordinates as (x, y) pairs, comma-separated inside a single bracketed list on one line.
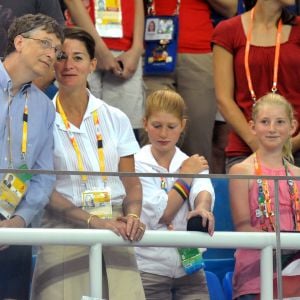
[(98, 238), (266, 242)]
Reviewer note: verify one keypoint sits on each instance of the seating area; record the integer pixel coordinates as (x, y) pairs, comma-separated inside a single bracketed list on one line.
[(219, 263), (218, 290)]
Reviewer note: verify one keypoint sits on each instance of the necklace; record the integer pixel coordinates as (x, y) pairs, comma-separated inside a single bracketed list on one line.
[(276, 58), (264, 210)]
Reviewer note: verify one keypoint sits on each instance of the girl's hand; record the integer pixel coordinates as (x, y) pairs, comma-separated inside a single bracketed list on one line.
[(194, 164), (207, 217)]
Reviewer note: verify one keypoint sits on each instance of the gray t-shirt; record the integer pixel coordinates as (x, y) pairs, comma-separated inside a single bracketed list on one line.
[(9, 9)]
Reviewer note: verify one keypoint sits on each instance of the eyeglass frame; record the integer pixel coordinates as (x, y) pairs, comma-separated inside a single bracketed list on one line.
[(45, 44)]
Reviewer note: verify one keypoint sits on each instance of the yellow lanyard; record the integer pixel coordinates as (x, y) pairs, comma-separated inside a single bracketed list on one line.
[(99, 144), (72, 138), (24, 131), (25, 127)]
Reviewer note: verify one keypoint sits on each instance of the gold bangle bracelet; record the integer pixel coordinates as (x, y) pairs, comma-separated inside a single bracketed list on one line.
[(88, 221), (133, 215)]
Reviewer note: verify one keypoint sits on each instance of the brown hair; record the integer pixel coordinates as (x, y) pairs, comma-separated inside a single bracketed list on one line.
[(28, 23)]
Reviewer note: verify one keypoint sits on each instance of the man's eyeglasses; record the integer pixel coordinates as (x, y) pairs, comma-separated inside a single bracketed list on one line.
[(46, 44)]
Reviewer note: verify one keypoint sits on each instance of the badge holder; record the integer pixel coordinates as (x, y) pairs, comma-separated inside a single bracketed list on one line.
[(109, 18), (98, 202), (191, 259), (161, 35), (12, 189)]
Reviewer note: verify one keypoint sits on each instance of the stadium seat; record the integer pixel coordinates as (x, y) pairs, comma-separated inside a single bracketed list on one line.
[(227, 285), (214, 286)]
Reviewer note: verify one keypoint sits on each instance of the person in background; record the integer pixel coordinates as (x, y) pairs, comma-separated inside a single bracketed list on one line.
[(169, 202), (255, 53), (273, 124), (192, 77), (26, 134), (118, 78), (89, 135)]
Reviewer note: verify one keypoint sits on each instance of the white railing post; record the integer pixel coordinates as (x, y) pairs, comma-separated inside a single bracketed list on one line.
[(266, 273), (95, 261)]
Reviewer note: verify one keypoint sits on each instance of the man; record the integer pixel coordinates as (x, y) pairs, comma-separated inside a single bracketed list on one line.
[(10, 9), (26, 137)]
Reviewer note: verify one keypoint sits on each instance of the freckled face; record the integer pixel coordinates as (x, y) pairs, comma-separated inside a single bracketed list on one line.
[(164, 130)]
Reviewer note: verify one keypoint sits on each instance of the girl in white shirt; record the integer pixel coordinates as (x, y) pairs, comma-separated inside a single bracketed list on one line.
[(166, 200)]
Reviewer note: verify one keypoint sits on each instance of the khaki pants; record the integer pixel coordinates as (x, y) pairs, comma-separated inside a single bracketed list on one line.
[(189, 287), (62, 273)]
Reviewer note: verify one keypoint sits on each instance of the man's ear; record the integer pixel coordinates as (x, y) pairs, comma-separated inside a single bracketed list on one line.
[(18, 42)]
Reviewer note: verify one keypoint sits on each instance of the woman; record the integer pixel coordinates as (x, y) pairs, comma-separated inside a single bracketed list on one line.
[(89, 136), (256, 52)]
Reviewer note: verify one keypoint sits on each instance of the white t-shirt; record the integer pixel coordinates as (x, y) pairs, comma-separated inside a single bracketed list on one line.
[(118, 141), (158, 260)]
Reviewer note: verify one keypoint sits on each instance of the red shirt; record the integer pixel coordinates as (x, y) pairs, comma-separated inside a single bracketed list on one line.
[(128, 10), (124, 43), (195, 24), (230, 35)]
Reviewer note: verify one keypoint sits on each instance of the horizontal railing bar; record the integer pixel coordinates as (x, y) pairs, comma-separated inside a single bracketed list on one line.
[(249, 240), (133, 174)]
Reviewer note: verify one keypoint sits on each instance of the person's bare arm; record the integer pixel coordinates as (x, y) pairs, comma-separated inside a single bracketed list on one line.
[(80, 17), (130, 58), (224, 87), (132, 204), (64, 208), (239, 199), (226, 8)]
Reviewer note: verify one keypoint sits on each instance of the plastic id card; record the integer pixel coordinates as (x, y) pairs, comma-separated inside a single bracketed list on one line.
[(191, 259), (12, 189), (161, 34), (98, 202), (108, 18)]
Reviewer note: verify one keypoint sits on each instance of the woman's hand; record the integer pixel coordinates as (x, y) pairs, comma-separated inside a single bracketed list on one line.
[(118, 227), (135, 229)]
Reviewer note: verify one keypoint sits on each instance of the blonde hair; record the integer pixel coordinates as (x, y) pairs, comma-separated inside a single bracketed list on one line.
[(167, 101), (272, 99)]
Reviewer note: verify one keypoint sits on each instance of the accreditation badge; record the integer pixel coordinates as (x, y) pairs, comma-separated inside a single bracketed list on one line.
[(98, 202), (12, 189), (108, 18)]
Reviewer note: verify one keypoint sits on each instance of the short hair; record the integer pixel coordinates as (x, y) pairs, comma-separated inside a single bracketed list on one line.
[(30, 22), (77, 33), (167, 101)]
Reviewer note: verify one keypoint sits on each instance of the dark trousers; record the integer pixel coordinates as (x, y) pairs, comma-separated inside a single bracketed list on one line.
[(15, 272)]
